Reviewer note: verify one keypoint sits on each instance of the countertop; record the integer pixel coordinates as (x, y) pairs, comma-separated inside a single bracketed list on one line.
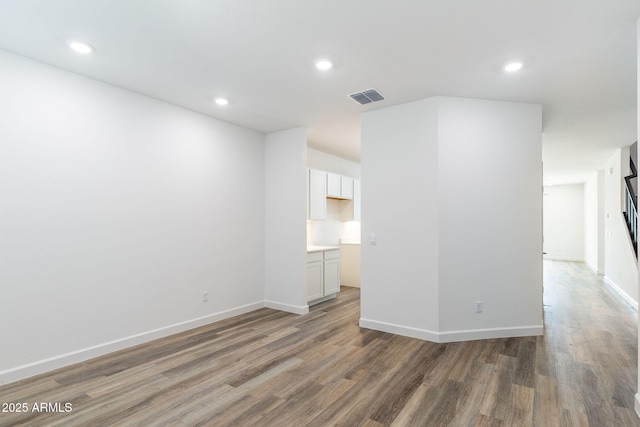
[(311, 249), (349, 241)]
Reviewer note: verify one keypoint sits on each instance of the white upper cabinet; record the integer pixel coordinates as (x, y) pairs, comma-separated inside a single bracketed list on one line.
[(346, 187), (317, 207), (334, 188), (327, 184), (350, 209), (339, 187), (356, 199)]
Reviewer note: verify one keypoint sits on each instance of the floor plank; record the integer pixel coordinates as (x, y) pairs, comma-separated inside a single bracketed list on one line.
[(269, 368)]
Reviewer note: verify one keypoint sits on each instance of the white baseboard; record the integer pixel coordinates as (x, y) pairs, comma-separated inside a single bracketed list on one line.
[(452, 336), (60, 361), (406, 331), (594, 269), (295, 309), (323, 299), (636, 404), (486, 334), (633, 303), (560, 258)]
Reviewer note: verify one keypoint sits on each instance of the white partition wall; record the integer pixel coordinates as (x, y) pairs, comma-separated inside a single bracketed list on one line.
[(454, 203), (594, 220), (285, 220), (399, 274)]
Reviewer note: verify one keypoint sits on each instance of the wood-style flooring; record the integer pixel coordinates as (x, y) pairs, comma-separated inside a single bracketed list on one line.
[(269, 368)]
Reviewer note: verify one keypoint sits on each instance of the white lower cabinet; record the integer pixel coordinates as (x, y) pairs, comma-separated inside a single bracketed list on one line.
[(331, 272), (315, 275), (323, 275)]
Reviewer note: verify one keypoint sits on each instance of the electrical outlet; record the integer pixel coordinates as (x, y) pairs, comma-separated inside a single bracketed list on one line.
[(205, 296), (479, 307)]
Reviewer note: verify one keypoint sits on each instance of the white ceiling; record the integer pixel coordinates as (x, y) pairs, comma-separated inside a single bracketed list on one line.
[(579, 60)]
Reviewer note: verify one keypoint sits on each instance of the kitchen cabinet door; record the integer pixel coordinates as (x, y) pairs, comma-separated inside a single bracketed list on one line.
[(315, 275), (357, 192), (346, 187), (350, 209), (334, 185), (331, 272)]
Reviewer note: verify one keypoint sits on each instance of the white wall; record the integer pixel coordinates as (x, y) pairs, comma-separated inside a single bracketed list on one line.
[(453, 193), (594, 221), (400, 275), (490, 180), (284, 219), (117, 212), (564, 222), (621, 270), (328, 162)]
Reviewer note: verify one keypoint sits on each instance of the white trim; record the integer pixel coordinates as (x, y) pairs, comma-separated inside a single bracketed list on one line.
[(485, 334), (594, 268), (452, 336), (60, 361), (323, 299), (406, 331), (633, 303), (295, 309), (560, 258), (636, 404)]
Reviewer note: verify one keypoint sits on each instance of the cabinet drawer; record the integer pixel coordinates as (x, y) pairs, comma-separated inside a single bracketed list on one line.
[(332, 254), (314, 257)]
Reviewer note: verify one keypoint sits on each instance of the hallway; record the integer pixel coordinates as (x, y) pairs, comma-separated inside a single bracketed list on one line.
[(589, 347)]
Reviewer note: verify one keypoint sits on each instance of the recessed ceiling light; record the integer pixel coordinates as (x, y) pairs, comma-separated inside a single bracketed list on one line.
[(323, 65), (513, 66), (221, 101), (80, 47)]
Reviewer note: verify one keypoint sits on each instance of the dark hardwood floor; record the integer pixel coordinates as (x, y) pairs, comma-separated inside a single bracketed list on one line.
[(268, 368)]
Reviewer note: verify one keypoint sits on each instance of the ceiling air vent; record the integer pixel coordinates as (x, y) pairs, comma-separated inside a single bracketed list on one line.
[(367, 96)]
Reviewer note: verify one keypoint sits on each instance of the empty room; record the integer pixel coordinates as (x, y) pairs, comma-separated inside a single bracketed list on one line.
[(286, 213)]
